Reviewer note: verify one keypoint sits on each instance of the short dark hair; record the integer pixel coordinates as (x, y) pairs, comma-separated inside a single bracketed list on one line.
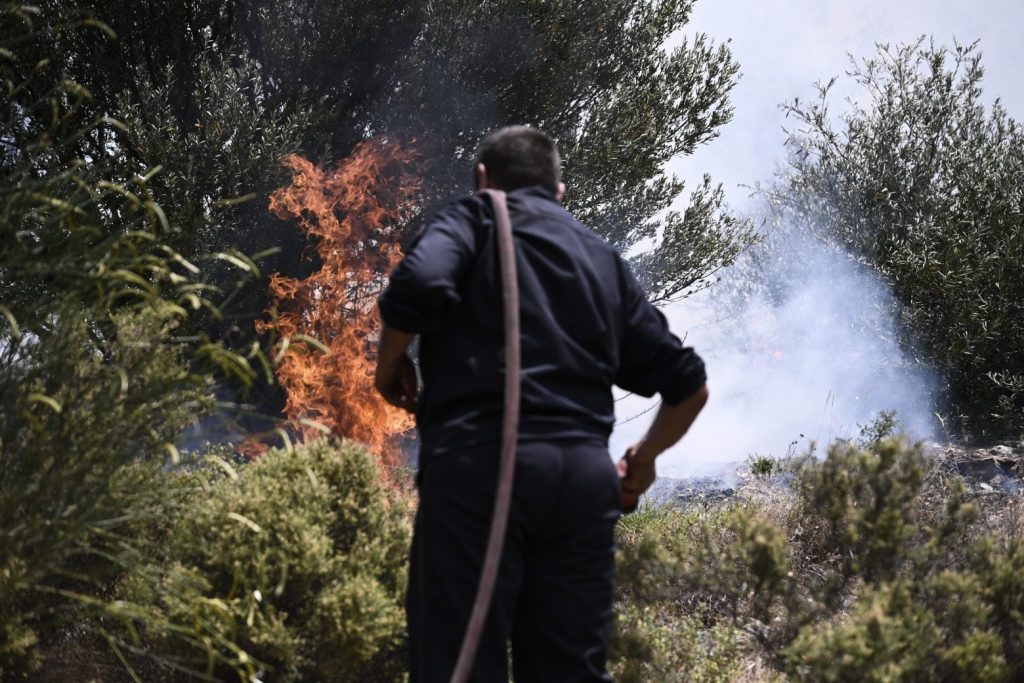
[(519, 156)]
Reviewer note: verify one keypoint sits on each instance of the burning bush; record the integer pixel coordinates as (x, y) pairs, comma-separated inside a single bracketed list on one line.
[(354, 212)]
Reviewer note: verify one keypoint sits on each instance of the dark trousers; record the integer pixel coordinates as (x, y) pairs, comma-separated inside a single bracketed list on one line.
[(553, 597)]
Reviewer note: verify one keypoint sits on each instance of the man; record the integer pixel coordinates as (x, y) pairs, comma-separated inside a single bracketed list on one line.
[(586, 325)]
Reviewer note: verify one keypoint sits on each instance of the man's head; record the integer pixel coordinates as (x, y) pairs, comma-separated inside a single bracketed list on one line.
[(519, 156)]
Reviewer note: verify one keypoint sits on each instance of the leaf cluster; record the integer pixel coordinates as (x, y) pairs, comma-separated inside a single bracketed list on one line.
[(291, 567), (219, 94), (922, 182), (665, 625), (97, 378), (874, 570)]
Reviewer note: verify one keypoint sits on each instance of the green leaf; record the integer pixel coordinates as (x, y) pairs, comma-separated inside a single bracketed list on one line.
[(12, 321), (51, 402), (246, 521)]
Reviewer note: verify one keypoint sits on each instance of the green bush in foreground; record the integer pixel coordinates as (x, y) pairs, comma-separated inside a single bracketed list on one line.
[(97, 379), (296, 562), (964, 624), (871, 567), (902, 631), (65, 522), (860, 503), (668, 628)]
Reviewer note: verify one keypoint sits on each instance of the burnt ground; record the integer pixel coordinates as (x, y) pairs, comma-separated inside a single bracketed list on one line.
[(989, 470), (985, 470)]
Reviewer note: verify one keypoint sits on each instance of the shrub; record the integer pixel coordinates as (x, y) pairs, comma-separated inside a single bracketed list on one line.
[(1001, 587), (952, 625), (654, 644), (685, 579), (920, 181), (864, 571), (69, 429), (95, 377), (763, 465), (862, 503), (297, 564), (893, 635)]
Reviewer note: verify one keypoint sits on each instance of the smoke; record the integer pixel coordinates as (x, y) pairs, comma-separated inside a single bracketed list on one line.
[(800, 348)]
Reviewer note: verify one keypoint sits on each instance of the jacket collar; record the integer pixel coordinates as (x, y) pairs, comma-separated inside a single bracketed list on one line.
[(538, 191)]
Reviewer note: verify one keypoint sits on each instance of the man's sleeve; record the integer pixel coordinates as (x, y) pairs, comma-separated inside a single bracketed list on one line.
[(652, 359), (426, 283)]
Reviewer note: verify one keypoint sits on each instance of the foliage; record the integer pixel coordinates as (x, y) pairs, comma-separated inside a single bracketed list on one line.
[(884, 426), (619, 105), (893, 636), (861, 503), (95, 378), (919, 180), (661, 633), (952, 625), (872, 568), (296, 564), (684, 579), (657, 645), (70, 423), (218, 94), (763, 465)]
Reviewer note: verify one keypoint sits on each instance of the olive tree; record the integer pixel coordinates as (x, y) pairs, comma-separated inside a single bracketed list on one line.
[(922, 181)]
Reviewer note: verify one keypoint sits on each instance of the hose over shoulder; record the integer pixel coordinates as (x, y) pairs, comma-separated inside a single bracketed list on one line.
[(509, 438)]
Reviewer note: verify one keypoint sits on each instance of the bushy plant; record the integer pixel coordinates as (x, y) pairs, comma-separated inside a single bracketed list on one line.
[(858, 506), (72, 424), (295, 562), (763, 465), (655, 644), (1000, 572), (960, 624), (690, 581), (894, 635), (869, 573), (920, 181), (95, 378)]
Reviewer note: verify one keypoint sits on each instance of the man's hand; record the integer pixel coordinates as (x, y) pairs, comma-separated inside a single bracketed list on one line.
[(672, 421), (397, 383), (637, 472), (396, 376)]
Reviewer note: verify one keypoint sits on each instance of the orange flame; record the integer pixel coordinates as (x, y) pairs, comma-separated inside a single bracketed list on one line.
[(353, 211)]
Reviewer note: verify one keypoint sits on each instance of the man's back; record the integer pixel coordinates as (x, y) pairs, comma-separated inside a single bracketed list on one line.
[(585, 325)]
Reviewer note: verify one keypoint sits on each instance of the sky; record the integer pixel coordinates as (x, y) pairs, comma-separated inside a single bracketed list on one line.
[(784, 46), (808, 388)]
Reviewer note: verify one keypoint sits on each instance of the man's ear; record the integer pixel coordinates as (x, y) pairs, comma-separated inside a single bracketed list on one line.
[(482, 181), (560, 192)]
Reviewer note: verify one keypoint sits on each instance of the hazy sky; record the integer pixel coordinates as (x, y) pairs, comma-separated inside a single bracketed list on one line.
[(784, 46), (805, 386)]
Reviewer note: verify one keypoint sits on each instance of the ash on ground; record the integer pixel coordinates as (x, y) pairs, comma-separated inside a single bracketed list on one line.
[(986, 470), (689, 491), (992, 469)]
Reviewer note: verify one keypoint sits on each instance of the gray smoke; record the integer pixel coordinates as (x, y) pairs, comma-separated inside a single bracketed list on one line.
[(800, 347)]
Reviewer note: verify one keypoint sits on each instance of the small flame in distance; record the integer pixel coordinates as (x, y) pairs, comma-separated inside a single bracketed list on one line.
[(354, 212)]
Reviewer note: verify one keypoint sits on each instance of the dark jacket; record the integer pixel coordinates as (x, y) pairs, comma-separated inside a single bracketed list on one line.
[(586, 325)]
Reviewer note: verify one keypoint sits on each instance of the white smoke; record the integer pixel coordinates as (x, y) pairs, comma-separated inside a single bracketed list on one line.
[(808, 354)]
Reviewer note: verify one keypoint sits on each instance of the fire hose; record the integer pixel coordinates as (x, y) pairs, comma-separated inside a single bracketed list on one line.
[(509, 438)]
